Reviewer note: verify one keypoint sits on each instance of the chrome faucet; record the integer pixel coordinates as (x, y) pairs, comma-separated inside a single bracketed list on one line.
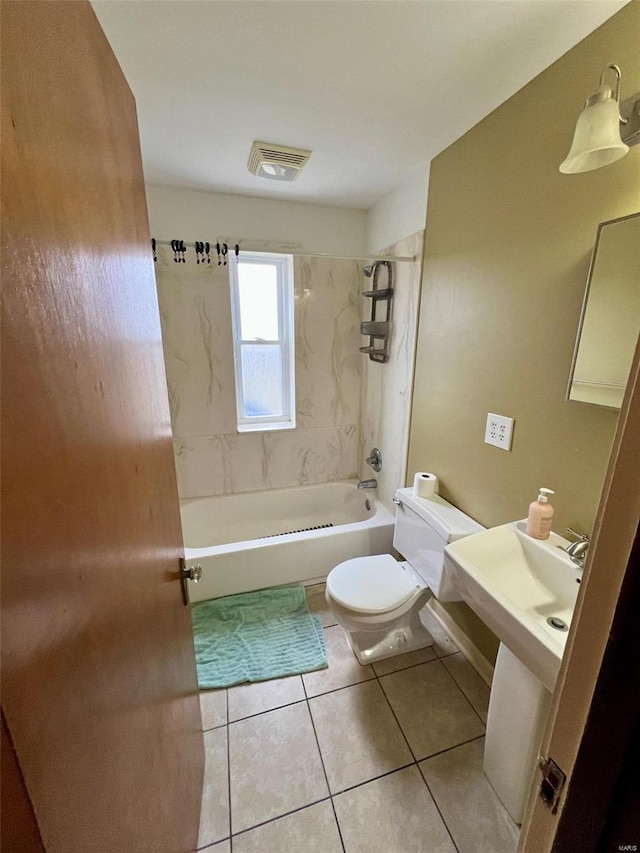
[(577, 551), (368, 484)]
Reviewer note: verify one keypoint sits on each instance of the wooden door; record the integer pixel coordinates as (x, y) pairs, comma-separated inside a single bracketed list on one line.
[(98, 683)]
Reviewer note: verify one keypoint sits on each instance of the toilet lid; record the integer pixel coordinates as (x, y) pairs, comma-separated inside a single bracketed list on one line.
[(370, 584)]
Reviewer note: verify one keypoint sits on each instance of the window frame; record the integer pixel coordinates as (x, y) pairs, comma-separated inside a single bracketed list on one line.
[(286, 341)]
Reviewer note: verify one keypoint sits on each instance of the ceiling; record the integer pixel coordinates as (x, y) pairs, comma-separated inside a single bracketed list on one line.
[(374, 88)]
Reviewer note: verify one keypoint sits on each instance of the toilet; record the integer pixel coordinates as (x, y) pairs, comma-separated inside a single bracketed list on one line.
[(378, 600)]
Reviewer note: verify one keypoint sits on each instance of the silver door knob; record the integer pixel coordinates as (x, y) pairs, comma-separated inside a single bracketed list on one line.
[(192, 573)]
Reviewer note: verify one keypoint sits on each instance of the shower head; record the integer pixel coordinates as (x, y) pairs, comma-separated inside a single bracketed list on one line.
[(368, 270)]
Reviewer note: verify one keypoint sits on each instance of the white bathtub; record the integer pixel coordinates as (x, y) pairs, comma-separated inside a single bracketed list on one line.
[(246, 541)]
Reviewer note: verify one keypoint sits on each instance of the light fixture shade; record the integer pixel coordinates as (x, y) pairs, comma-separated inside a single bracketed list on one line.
[(596, 141)]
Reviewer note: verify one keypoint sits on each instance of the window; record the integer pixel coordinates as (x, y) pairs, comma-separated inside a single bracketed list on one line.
[(262, 313)]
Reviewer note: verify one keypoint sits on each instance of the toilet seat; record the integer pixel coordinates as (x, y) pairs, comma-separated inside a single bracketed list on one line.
[(375, 584)]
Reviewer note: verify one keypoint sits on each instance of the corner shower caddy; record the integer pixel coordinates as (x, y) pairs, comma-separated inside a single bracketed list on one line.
[(378, 330)]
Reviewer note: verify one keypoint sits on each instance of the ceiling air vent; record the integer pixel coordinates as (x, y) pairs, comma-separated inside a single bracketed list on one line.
[(276, 162)]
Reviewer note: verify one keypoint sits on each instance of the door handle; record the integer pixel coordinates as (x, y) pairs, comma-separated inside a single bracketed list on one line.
[(188, 573)]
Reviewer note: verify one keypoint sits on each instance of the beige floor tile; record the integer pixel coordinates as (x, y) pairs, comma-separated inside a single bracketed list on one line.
[(343, 670), (483, 825), (213, 707), (358, 735), (275, 766), (317, 604), (442, 642), (395, 814), (469, 682), (384, 667), (214, 816), (312, 830), (249, 699), (431, 708)]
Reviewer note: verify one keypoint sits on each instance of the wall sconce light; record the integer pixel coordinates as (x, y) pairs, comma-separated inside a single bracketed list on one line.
[(605, 128)]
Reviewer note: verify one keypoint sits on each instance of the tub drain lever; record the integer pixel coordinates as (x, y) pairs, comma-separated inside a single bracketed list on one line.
[(188, 573)]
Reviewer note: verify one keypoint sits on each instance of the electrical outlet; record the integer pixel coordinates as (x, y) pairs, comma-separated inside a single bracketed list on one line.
[(498, 432)]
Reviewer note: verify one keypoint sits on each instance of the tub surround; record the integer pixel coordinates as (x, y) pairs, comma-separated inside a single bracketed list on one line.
[(211, 457), (386, 388), (345, 404), (226, 464)]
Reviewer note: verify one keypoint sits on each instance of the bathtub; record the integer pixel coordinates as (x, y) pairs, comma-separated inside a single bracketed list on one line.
[(258, 539)]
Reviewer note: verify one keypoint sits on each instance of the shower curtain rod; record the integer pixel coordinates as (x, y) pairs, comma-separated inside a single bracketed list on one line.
[(372, 257)]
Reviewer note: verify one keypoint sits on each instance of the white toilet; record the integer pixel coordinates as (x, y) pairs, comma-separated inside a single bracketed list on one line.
[(377, 600)]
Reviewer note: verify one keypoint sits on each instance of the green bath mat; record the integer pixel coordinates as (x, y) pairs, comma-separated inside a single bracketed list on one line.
[(255, 636)]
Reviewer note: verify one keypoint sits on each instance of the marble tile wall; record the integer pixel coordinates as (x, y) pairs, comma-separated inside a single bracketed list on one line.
[(387, 388), (211, 456)]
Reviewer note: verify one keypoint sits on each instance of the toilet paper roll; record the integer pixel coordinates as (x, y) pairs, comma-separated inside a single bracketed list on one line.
[(425, 485)]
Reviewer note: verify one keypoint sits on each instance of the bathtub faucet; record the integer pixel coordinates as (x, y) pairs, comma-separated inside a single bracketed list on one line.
[(368, 484)]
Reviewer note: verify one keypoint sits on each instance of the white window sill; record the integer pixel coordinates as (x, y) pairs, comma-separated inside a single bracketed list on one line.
[(267, 426)]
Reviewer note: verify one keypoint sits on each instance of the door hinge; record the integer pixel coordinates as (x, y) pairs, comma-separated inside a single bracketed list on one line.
[(553, 779)]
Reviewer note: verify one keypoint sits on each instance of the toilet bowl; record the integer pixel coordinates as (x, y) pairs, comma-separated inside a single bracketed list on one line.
[(377, 599)]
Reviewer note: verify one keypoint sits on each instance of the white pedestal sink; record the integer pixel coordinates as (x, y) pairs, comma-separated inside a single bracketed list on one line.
[(518, 710), (516, 584)]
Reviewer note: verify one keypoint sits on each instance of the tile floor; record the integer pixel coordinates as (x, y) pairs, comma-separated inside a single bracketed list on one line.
[(353, 759)]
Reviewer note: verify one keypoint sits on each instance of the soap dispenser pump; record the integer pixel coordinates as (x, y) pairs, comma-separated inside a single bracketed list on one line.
[(540, 515)]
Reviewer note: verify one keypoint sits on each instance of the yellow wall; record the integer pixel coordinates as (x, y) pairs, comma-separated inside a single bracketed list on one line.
[(507, 250)]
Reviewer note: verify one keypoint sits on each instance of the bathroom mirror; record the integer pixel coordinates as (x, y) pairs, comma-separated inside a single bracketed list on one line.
[(610, 320)]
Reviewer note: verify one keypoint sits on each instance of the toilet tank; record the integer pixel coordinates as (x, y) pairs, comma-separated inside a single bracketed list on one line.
[(423, 527)]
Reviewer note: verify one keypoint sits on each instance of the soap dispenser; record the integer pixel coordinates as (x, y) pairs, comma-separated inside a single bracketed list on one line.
[(540, 516)]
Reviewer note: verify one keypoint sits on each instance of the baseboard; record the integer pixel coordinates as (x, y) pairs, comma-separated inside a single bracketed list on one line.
[(314, 581), (471, 652)]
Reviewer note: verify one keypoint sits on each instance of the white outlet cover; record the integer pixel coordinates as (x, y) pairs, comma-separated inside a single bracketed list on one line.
[(499, 431)]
